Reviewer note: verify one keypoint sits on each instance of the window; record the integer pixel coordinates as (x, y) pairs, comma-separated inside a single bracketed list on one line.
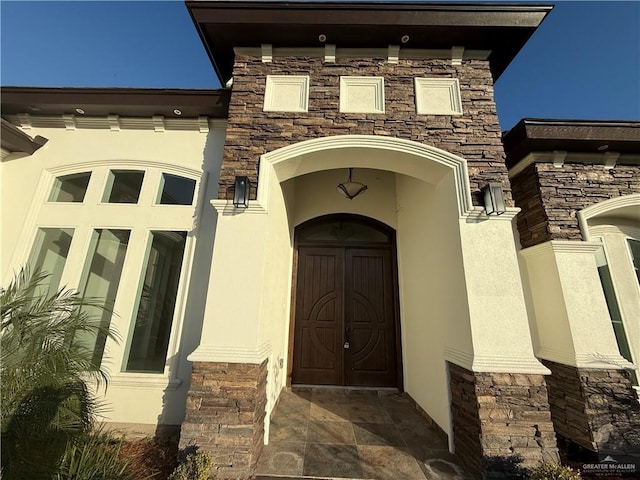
[(123, 186), (129, 259), (101, 278), (70, 188), (614, 313), (49, 254), (156, 303), (176, 190)]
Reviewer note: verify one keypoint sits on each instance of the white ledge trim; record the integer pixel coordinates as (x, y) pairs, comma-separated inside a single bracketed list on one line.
[(561, 246), (478, 215), (143, 381), (496, 364), (591, 361), (218, 353)]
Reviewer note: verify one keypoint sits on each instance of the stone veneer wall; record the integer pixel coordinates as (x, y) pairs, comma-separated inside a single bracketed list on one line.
[(597, 409), (225, 415), (498, 417), (475, 135), (550, 197)]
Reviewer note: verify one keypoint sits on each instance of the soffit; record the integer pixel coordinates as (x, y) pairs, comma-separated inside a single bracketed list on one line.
[(578, 136), (503, 28), (125, 102)]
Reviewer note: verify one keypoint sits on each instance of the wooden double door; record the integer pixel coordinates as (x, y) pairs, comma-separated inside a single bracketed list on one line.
[(346, 327)]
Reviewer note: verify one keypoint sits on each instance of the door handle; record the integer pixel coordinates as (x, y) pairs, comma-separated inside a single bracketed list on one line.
[(346, 338)]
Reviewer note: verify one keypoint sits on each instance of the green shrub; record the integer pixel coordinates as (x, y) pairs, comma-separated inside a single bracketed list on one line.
[(553, 471), (195, 466), (97, 457)]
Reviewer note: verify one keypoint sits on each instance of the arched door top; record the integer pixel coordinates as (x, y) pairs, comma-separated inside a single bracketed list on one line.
[(344, 229), (406, 157)]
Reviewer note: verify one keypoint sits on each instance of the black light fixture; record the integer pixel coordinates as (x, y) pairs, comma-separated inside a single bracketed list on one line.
[(494, 199), (241, 191), (351, 189)]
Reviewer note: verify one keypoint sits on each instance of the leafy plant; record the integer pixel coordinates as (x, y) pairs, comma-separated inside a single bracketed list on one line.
[(97, 456), (196, 465), (553, 471), (45, 396)]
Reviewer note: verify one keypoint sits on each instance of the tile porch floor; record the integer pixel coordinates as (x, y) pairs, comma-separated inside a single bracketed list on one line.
[(327, 433)]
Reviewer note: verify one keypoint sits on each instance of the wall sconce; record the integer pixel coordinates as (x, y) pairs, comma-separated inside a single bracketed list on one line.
[(351, 189), (494, 199), (241, 192)]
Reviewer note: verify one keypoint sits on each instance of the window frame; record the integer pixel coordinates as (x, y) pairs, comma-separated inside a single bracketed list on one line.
[(92, 214)]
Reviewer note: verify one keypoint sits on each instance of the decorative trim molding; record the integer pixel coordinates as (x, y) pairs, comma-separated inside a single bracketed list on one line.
[(361, 94), (404, 53), (558, 158), (457, 53), (393, 56), (144, 381), (286, 93), (165, 167), (575, 157), (226, 208), (592, 361), (438, 96), (279, 162), (561, 246), (266, 52), (604, 207), (495, 363), (330, 54), (230, 354), (116, 123)]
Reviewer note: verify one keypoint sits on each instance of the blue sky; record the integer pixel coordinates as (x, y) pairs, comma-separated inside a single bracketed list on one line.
[(583, 62)]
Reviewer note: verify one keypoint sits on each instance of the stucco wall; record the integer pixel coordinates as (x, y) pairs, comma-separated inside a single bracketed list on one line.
[(130, 398)]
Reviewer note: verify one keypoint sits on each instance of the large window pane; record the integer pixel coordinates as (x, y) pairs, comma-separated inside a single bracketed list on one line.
[(100, 281), (156, 303), (70, 188), (176, 190), (616, 318), (49, 254), (123, 186)]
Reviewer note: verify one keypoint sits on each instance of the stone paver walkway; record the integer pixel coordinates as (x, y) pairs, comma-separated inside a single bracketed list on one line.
[(327, 433)]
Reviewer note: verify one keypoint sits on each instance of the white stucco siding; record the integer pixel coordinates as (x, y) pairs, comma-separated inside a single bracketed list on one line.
[(433, 300), (138, 398)]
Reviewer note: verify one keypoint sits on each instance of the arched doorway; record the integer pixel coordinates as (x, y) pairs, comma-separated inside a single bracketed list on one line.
[(346, 325)]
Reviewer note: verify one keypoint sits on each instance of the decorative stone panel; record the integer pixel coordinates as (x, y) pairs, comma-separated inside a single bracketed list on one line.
[(597, 409), (501, 421), (550, 197), (286, 93), (438, 96), (474, 136), (225, 415), (361, 94)]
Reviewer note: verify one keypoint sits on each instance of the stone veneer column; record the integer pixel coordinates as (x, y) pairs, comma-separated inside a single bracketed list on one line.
[(225, 415), (597, 409), (498, 418)]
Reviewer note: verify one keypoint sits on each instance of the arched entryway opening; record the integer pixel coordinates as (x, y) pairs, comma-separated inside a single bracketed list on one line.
[(345, 322)]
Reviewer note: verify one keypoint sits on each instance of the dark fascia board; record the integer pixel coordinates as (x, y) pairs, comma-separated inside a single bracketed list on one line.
[(501, 28), (15, 140), (126, 102), (583, 136)]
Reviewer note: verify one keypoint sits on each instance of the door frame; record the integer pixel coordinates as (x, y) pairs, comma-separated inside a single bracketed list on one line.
[(392, 246)]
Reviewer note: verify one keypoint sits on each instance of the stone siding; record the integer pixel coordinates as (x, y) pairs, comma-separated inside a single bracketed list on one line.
[(550, 197), (225, 415), (597, 409), (475, 135), (501, 421)]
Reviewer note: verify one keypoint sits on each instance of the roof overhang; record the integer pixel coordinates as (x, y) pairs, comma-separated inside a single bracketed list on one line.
[(15, 140), (501, 28), (574, 136), (125, 102)]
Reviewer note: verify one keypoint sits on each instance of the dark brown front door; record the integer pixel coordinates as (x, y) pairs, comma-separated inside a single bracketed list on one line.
[(345, 322)]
